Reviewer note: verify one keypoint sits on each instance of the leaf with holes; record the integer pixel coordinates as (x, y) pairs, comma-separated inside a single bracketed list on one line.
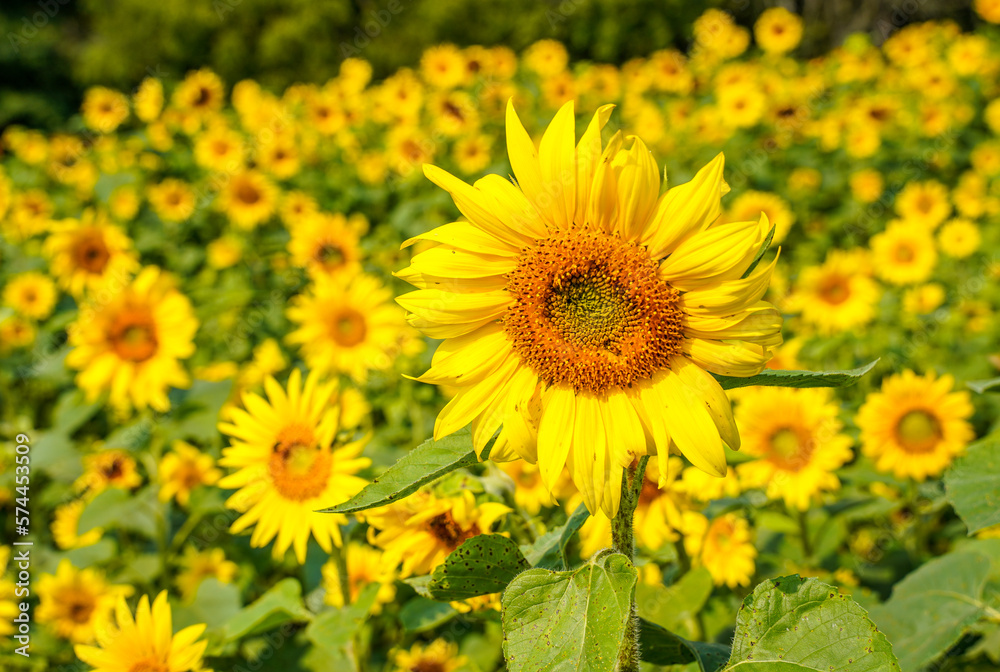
[(791, 624), (482, 565), (568, 621), (777, 378), (973, 485)]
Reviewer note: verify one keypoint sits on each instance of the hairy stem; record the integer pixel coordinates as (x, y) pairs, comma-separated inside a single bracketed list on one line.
[(623, 541)]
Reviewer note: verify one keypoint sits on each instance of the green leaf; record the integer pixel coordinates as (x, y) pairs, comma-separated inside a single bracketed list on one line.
[(549, 550), (676, 607), (662, 647), (332, 633), (196, 416), (972, 485), (116, 508), (422, 614), (934, 606), (764, 247), (983, 386), (482, 565), (425, 463), (568, 620), (280, 604), (72, 411), (214, 604), (792, 624), (778, 378)]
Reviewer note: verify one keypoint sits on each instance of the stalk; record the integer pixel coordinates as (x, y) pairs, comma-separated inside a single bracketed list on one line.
[(623, 541)]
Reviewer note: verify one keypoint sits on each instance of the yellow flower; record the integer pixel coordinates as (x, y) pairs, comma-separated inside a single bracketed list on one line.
[(702, 487), (288, 465), (472, 153), (438, 656), (530, 493), (798, 449), (76, 603), (219, 149), (224, 252), (296, 207), (346, 324), (723, 547), (248, 199), (777, 30), (867, 185), (959, 238), (546, 58), (836, 296), (443, 66), (325, 244), (104, 109), (113, 468), (279, 157), (66, 527), (584, 311), (422, 530), (183, 469), (904, 253), (124, 203), (132, 344), (923, 299), (8, 596), (915, 426), (716, 34), (31, 294), (90, 254), (365, 566), (16, 332), (148, 99), (740, 106), (201, 93), (29, 214), (924, 203), (196, 566), (750, 204), (145, 643), (988, 9), (173, 200)]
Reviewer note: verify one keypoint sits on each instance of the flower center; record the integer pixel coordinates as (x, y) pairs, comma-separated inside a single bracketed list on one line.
[(348, 327), (133, 335), (247, 193), (299, 468), (428, 666), (918, 432), (79, 607), (148, 665), (904, 254), (329, 255), (447, 530), (834, 290), (90, 253), (788, 450), (592, 312)]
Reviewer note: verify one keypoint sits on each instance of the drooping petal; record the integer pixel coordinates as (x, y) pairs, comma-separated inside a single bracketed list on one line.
[(708, 390), (686, 209), (691, 427)]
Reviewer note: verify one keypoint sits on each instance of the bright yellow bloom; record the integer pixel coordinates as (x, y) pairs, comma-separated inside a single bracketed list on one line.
[(145, 643), (365, 566), (988, 9), (959, 238), (224, 252), (750, 204), (327, 244), (201, 93), (219, 149), (438, 656), (196, 566), (173, 200), (124, 203), (90, 254), (443, 66), (837, 295), (31, 294), (798, 448), (904, 253), (104, 109), (923, 299), (114, 468), (723, 547), (288, 465), (16, 332), (777, 30), (183, 469), (148, 99), (132, 344), (77, 603), (583, 311), (915, 426), (248, 199), (66, 527), (546, 58), (924, 203), (867, 185), (29, 214), (420, 531)]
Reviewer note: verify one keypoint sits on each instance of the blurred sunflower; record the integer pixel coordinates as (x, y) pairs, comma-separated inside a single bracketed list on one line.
[(182, 470), (421, 530), (325, 243), (66, 527), (8, 598), (200, 93), (195, 566), (145, 643), (104, 109), (77, 603), (904, 253), (923, 203), (248, 199), (837, 295), (347, 324), (29, 213), (915, 426), (438, 656), (114, 468), (798, 449), (583, 311), (723, 546), (132, 344), (220, 149), (959, 238), (148, 99), (287, 465), (31, 294), (90, 254), (750, 204), (365, 566), (173, 200), (777, 30)]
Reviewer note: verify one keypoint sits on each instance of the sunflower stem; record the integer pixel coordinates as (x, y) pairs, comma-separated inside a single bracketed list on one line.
[(623, 541), (344, 578), (807, 549)]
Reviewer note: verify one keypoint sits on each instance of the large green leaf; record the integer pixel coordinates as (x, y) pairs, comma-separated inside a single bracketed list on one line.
[(934, 606), (425, 463), (568, 620), (973, 485), (793, 624), (422, 614), (549, 550), (332, 633), (482, 565), (779, 378), (280, 604), (659, 646)]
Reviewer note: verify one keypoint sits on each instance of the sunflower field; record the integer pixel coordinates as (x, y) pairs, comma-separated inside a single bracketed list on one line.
[(511, 361)]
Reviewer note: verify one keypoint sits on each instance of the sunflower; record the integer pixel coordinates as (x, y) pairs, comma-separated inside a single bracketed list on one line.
[(959, 238), (224, 252), (422, 530), (29, 214), (777, 30), (365, 566), (77, 604), (287, 465), (280, 157), (472, 153), (248, 199), (31, 294), (148, 99), (131, 345), (90, 254), (583, 311), (124, 203), (438, 656), (16, 332), (195, 566), (915, 426), (443, 66), (104, 109), (201, 93), (797, 450), (66, 527), (173, 200), (183, 469), (325, 244), (105, 469), (145, 643), (904, 254), (924, 203), (837, 295), (348, 325), (722, 546), (751, 203), (923, 299), (220, 149), (546, 58)]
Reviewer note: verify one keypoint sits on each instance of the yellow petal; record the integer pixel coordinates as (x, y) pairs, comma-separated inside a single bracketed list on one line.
[(469, 403), (465, 236), (524, 159), (711, 393), (480, 208), (727, 358), (452, 308), (691, 427), (603, 205), (557, 160), (730, 296), (721, 253), (638, 190), (588, 156), (554, 433), (451, 263), (469, 358), (686, 209), (513, 207)]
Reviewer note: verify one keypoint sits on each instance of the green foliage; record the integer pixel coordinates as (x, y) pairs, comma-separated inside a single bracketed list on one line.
[(549, 551), (481, 565), (280, 604), (568, 620), (662, 647), (332, 633), (973, 485), (776, 378)]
